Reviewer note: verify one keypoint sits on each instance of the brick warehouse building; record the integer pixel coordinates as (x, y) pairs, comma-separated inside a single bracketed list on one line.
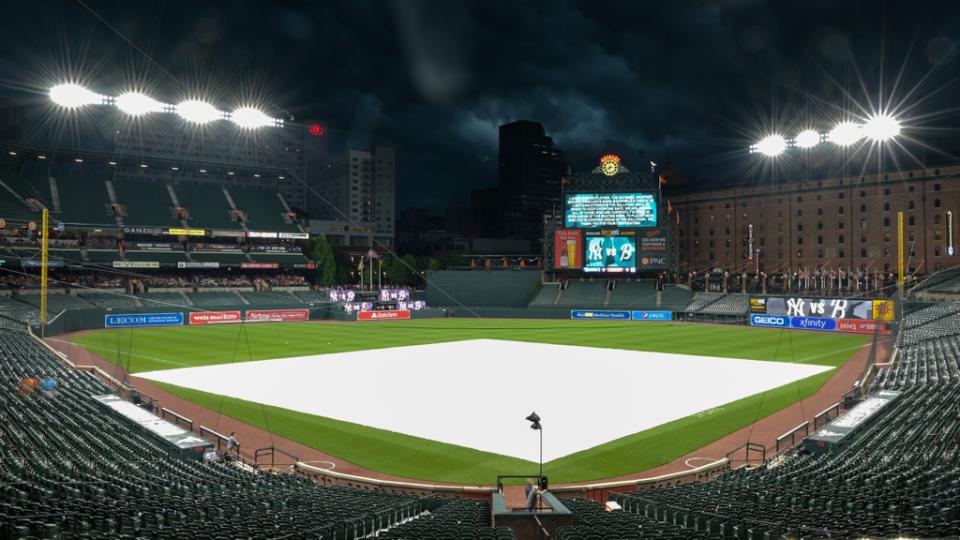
[(825, 223)]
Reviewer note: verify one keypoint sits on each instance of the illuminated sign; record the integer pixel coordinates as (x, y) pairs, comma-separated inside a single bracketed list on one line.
[(590, 210), (185, 232), (610, 164), (567, 246), (610, 253)]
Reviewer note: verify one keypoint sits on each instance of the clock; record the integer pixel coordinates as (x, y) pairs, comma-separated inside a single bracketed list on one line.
[(610, 164)]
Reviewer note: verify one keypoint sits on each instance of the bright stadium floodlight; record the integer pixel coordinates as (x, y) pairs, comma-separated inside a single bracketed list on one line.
[(807, 139), (250, 118), (845, 133), (881, 127), (772, 145), (72, 96), (136, 104), (198, 112)]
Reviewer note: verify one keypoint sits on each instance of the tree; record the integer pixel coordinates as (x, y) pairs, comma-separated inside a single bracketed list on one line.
[(402, 271), (322, 254), (346, 269)]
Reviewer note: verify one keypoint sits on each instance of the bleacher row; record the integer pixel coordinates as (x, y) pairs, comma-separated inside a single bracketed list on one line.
[(106, 257), (86, 202), (639, 294), (70, 470)]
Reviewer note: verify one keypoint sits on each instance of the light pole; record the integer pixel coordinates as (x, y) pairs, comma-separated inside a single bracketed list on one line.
[(534, 420)]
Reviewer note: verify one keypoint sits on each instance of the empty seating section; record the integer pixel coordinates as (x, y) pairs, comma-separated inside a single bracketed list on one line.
[(547, 295), (312, 297), (945, 282), (930, 362), (70, 470), (588, 294), (84, 201), (593, 522), (55, 302), (449, 519), (165, 300), (207, 205), (702, 300), (501, 288), (220, 257), (273, 298), (634, 294), (729, 304), (215, 299), (147, 204), (263, 208), (102, 255), (19, 311), (675, 297), (109, 300), (159, 256), (15, 191)]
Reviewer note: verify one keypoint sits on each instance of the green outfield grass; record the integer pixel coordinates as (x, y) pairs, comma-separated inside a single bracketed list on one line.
[(150, 349)]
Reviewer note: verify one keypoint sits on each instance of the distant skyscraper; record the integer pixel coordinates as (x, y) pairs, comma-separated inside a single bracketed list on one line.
[(531, 169), (359, 187)]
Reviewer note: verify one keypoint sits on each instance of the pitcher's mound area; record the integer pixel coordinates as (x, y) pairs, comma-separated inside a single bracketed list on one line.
[(477, 393)]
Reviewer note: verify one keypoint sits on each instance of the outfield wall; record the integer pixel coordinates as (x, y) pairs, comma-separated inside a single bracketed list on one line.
[(502, 288)]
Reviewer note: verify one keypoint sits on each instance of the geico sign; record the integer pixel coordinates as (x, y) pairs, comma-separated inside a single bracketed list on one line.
[(769, 320)]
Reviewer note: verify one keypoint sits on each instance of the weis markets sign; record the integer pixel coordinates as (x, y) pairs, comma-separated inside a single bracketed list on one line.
[(214, 317)]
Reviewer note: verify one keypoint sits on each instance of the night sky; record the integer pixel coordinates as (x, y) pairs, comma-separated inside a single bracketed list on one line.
[(687, 82)]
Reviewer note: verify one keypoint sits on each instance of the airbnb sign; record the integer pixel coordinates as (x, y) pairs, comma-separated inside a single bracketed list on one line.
[(383, 315), (214, 317), (277, 315)]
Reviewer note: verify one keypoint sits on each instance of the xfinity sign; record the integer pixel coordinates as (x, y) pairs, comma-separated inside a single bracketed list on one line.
[(813, 323), (776, 321)]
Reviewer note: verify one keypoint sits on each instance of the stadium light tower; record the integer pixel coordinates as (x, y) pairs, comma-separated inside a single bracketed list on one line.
[(137, 104), (197, 111), (807, 139), (845, 133), (73, 96), (881, 128), (772, 145)]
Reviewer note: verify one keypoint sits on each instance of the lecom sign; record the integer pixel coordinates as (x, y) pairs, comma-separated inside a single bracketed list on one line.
[(214, 317), (383, 315), (277, 315)]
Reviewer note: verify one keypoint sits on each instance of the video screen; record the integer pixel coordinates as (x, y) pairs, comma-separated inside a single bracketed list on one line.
[(590, 210), (394, 294), (342, 295), (615, 254)]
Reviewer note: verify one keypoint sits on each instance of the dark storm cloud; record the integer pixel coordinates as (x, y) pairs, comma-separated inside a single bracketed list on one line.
[(691, 82)]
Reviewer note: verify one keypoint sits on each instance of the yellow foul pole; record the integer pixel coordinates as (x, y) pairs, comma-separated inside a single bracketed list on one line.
[(900, 276), (43, 271)]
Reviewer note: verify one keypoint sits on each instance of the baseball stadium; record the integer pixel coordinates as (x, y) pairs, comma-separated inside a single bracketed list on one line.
[(200, 339)]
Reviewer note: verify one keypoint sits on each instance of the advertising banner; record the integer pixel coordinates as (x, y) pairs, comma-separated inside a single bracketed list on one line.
[(198, 264), (813, 323), (773, 321), (276, 315), (256, 234), (214, 317), (185, 232), (383, 315), (857, 326), (567, 247), (652, 315), (260, 265), (127, 320), (601, 314), (652, 250), (294, 235), (136, 264), (883, 310), (758, 305), (831, 308)]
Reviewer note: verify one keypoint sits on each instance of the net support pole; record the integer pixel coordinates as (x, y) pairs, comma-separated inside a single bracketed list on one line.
[(900, 269), (44, 230)]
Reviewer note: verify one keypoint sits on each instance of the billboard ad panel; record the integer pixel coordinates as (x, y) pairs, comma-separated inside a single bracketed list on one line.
[(652, 315), (567, 247), (276, 315), (831, 308), (813, 323), (857, 326), (610, 251), (771, 321), (383, 315), (601, 314), (591, 210), (127, 320), (883, 310), (214, 317)]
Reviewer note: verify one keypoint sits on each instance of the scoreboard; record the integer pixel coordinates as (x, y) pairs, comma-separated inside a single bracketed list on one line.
[(628, 210), (611, 251)]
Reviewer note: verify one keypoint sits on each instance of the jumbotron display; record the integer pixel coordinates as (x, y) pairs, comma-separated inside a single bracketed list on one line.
[(590, 210), (610, 253)]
